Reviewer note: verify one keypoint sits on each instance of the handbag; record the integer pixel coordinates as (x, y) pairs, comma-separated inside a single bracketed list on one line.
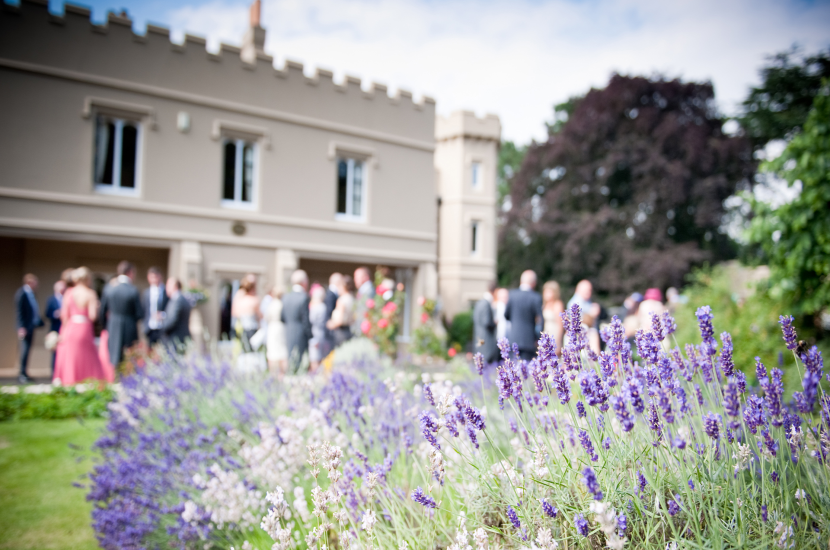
[(51, 340)]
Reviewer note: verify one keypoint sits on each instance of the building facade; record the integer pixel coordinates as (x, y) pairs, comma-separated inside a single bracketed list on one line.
[(116, 145)]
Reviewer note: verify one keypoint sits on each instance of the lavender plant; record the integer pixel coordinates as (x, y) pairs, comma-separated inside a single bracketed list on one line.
[(571, 450)]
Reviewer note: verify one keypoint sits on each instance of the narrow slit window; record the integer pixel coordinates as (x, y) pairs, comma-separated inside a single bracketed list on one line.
[(475, 237), (238, 170), (350, 189), (477, 175), (115, 164)]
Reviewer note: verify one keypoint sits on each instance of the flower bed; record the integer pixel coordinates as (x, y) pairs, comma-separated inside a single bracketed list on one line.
[(571, 450)]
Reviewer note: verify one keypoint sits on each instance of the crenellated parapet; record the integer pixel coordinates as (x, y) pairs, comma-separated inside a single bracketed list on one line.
[(32, 38), (467, 125)]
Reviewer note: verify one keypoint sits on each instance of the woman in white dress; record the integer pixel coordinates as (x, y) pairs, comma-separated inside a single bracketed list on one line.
[(551, 311), (276, 351)]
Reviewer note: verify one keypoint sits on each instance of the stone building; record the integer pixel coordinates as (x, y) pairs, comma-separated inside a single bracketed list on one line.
[(116, 145)]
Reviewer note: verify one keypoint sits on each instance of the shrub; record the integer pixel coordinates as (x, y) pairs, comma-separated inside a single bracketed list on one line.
[(56, 403), (461, 330)]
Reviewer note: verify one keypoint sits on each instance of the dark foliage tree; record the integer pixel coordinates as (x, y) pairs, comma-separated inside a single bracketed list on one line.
[(779, 106), (629, 192)]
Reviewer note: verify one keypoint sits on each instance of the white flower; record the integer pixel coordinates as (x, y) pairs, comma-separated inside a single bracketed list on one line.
[(480, 536), (369, 521), (189, 513), (741, 458), (403, 545), (800, 494)]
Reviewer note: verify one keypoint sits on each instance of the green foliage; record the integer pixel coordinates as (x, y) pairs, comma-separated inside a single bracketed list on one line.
[(795, 237), (461, 329), (58, 404), (561, 113), (779, 106), (39, 506), (426, 339), (510, 160)]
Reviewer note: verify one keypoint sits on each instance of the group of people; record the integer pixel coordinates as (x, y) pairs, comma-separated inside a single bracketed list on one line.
[(307, 320), (521, 314), (74, 308)]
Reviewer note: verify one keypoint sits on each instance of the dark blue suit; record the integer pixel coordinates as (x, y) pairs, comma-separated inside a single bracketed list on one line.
[(53, 313), (524, 311), (27, 317)]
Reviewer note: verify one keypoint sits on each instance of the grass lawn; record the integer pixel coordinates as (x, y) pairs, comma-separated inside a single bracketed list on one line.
[(39, 507)]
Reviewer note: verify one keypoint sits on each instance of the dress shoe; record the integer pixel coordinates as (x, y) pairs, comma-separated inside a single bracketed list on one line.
[(23, 379)]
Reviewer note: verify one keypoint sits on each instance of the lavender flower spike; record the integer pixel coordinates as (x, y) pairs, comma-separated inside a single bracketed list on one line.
[(585, 440), (513, 517), (790, 337), (423, 499), (711, 425), (589, 478), (581, 524), (549, 509)]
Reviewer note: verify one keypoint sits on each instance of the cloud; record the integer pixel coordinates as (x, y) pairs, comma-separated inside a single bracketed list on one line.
[(518, 58)]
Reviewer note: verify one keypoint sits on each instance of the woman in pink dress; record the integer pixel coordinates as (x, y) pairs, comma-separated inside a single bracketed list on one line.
[(77, 358)]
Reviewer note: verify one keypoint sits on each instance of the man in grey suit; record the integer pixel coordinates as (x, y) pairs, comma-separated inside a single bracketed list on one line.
[(484, 327), (524, 311), (295, 317), (176, 324), (154, 302), (121, 311)]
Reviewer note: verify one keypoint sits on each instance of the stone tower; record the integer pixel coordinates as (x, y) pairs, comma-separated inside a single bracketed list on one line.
[(466, 160)]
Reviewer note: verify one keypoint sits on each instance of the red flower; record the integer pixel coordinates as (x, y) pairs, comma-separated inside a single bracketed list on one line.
[(451, 352), (383, 323), (365, 326), (424, 317), (390, 308), (370, 303)]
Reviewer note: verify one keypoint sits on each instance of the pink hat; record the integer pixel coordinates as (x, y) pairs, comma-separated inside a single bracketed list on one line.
[(654, 294)]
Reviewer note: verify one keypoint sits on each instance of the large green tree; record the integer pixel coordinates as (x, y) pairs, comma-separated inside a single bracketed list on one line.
[(628, 189), (795, 237)]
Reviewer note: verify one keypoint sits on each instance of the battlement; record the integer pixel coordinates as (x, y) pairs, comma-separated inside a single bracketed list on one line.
[(466, 124), (30, 34)]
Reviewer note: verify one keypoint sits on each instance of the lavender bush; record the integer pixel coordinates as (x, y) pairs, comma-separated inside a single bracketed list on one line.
[(572, 449)]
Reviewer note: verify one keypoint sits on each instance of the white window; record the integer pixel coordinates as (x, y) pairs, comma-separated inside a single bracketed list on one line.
[(238, 172), (351, 187), (116, 167), (475, 240), (478, 175)]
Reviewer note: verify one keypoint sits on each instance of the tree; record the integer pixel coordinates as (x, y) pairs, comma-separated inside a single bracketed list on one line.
[(779, 106), (795, 237), (510, 160), (629, 192)]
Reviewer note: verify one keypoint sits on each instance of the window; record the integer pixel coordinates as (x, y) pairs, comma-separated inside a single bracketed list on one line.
[(350, 189), (475, 241), (238, 172), (116, 154), (478, 176)]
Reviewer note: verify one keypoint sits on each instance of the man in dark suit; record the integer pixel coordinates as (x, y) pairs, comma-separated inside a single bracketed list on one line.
[(176, 324), (524, 311), (484, 327), (53, 313), (154, 303), (332, 293), (27, 317), (295, 317), (121, 311)]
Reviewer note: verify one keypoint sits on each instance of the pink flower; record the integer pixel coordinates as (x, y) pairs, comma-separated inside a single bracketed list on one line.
[(422, 301), (365, 326), (451, 352), (383, 323), (424, 317), (370, 303), (390, 308), (381, 290)]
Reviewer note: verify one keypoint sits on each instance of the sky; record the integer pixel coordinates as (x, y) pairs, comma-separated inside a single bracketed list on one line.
[(513, 58)]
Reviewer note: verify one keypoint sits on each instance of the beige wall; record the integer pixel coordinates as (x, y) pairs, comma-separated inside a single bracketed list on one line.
[(464, 139)]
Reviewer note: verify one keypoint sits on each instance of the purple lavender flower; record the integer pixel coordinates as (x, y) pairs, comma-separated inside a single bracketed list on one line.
[(707, 331), (825, 410), (585, 440), (760, 369), (674, 508), (727, 364), (764, 513), (428, 428), (625, 355), (633, 391), (790, 337), (653, 420), (704, 363), (680, 393), (711, 425), (581, 524), (576, 334), (594, 390), (805, 401), (589, 478), (607, 367), (699, 395), (812, 361), (691, 485), (478, 359), (641, 482), (504, 348), (423, 499), (731, 403), (549, 509), (774, 476), (471, 433), (504, 383), (547, 348), (648, 347), (473, 416), (580, 409), (622, 524), (769, 442), (625, 418), (563, 386), (665, 369), (773, 394), (679, 443), (656, 326), (428, 394), (665, 404), (615, 343), (754, 416), (669, 326), (740, 380), (513, 517)]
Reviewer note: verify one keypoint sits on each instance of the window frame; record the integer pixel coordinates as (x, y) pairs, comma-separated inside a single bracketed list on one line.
[(240, 142), (119, 119), (349, 216), (477, 175), (476, 242)]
